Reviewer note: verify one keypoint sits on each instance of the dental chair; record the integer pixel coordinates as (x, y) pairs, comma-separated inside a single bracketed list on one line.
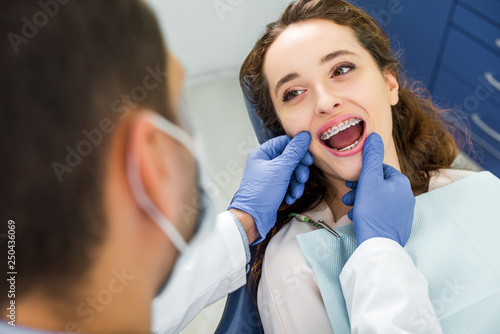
[(241, 315)]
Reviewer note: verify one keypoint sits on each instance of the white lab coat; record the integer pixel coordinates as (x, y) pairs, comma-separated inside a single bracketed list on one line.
[(220, 269), (383, 290)]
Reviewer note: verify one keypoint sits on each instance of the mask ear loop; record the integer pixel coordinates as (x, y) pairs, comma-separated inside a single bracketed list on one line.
[(172, 130), (133, 174)]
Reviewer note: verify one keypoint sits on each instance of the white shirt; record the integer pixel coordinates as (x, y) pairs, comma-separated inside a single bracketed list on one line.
[(289, 299)]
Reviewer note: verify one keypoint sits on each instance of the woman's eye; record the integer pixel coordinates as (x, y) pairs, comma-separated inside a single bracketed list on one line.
[(342, 70), (291, 95)]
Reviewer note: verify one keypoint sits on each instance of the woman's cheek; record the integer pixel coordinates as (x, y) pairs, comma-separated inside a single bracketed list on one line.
[(294, 127), (316, 152), (296, 119)]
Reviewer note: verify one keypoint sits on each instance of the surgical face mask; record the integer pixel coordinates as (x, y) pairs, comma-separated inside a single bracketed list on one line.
[(147, 205)]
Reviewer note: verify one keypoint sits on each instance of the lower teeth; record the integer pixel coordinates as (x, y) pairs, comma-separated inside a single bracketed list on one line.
[(350, 147)]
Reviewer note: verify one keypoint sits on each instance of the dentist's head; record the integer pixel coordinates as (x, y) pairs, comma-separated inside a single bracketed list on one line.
[(89, 150)]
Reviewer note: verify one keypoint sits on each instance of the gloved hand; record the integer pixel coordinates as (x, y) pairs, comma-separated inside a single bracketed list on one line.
[(275, 170), (383, 201)]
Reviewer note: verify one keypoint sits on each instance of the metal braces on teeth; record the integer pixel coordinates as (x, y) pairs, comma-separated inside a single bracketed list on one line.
[(339, 127), (350, 147)]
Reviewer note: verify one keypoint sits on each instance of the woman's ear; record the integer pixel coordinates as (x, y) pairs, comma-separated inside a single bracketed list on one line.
[(392, 83)]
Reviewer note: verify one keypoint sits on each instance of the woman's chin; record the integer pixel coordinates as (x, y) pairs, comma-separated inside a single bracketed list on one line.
[(339, 169), (350, 171), (352, 175), (341, 175)]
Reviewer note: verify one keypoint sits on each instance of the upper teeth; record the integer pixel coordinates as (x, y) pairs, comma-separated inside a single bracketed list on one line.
[(339, 127)]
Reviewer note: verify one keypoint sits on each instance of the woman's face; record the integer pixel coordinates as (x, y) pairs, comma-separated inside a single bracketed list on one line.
[(323, 81)]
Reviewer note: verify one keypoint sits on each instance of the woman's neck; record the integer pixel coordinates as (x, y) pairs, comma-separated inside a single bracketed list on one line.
[(339, 188)]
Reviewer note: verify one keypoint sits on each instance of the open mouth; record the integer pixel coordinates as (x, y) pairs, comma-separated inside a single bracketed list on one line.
[(344, 136)]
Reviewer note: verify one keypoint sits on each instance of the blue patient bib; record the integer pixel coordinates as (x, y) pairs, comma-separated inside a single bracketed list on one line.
[(455, 244)]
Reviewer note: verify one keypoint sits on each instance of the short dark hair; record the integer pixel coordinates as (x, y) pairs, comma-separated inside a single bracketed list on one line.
[(70, 71)]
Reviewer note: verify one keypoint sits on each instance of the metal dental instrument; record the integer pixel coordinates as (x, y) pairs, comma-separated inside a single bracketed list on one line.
[(318, 224)]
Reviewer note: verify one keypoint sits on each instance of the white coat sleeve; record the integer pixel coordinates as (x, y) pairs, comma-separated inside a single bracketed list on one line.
[(384, 291), (216, 271)]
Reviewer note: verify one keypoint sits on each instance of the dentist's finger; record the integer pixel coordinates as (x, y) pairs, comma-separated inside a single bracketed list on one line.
[(348, 199), (392, 173), (274, 147), (301, 173), (373, 157), (296, 189), (351, 184), (297, 148), (307, 159)]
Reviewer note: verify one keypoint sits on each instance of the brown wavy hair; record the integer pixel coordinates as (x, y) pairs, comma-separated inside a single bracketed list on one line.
[(423, 140)]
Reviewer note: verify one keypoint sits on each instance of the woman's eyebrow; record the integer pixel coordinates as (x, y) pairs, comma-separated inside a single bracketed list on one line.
[(335, 54), (284, 80)]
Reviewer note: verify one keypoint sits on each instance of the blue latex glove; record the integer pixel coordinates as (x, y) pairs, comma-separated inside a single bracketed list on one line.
[(275, 170), (383, 201)]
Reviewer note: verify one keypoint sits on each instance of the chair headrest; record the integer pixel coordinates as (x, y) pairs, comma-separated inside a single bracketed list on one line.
[(263, 134)]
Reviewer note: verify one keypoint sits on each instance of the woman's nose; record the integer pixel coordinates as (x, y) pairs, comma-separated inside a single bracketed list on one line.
[(327, 102)]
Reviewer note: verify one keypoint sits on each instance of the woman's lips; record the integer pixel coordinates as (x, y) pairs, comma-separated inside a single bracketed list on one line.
[(337, 125)]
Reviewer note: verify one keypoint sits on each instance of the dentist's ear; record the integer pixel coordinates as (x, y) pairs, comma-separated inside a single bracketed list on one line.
[(393, 86), (151, 148), (167, 170)]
